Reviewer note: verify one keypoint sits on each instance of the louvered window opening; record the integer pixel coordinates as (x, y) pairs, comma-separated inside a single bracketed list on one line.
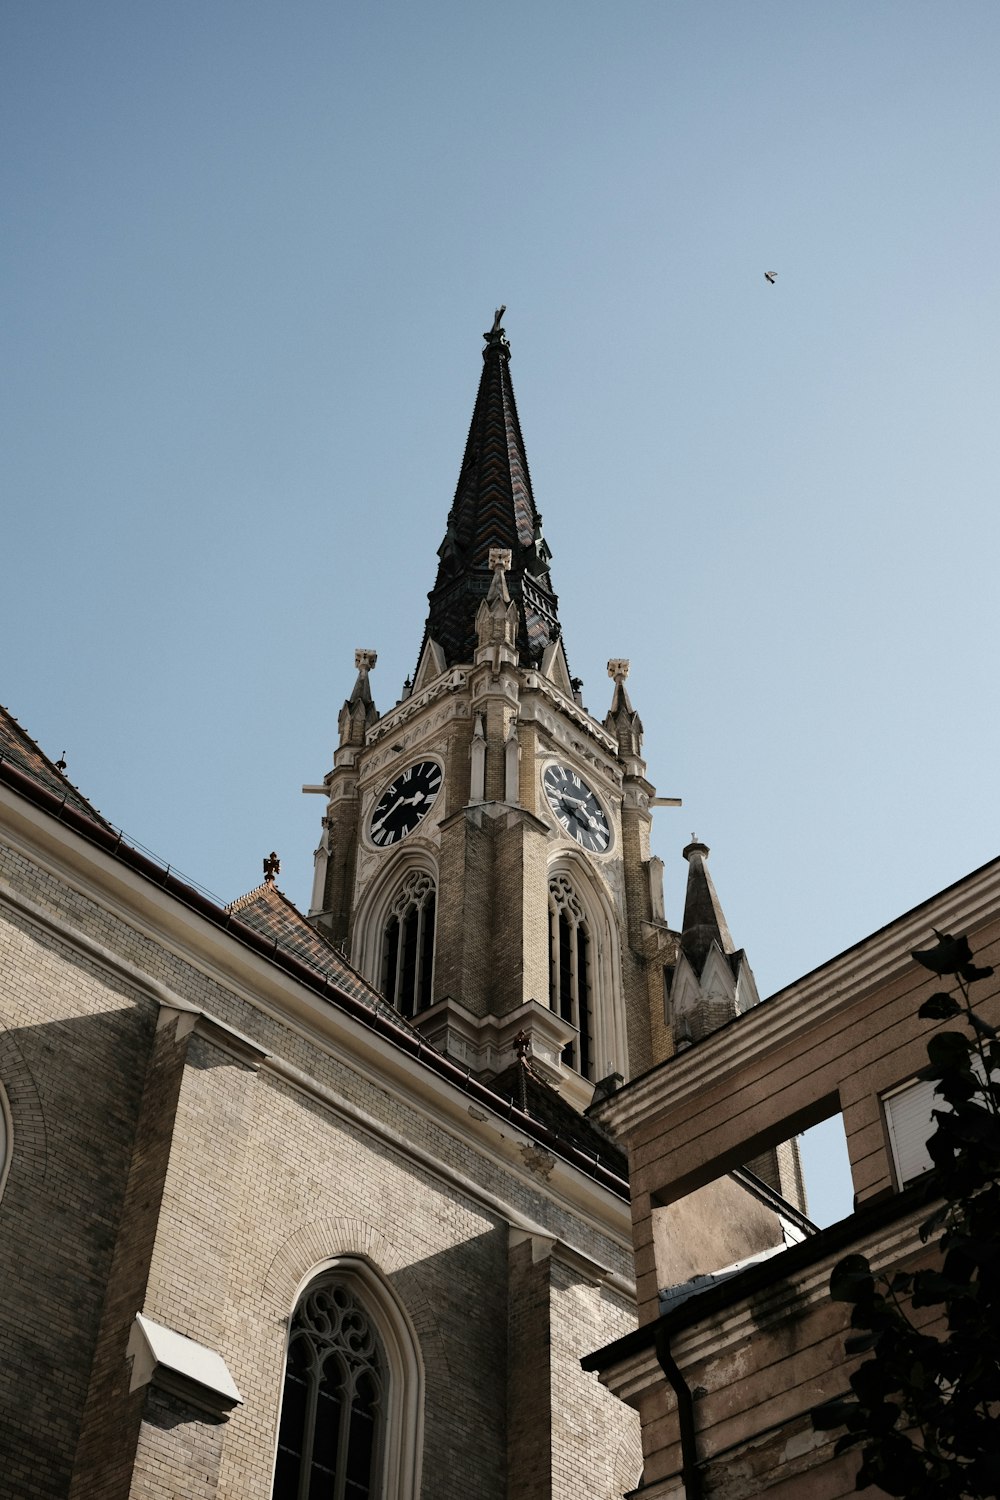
[(908, 1117), (408, 946), (333, 1412), (570, 994)]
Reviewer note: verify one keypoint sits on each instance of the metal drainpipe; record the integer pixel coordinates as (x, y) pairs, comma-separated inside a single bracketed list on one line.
[(690, 1472)]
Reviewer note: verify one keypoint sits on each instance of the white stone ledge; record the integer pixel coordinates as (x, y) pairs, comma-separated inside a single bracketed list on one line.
[(174, 1363)]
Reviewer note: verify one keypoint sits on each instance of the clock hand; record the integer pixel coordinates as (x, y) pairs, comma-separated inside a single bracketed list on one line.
[(390, 809), (399, 802)]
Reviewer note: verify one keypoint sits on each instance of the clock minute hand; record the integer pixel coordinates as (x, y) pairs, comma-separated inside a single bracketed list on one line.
[(390, 809), (400, 801)]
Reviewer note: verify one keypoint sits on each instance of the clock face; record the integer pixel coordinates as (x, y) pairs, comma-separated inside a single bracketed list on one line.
[(577, 809), (404, 803)]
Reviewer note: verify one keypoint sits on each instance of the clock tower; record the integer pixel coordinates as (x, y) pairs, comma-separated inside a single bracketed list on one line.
[(484, 858)]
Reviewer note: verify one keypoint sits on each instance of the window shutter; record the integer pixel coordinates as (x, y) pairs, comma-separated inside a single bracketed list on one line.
[(908, 1116)]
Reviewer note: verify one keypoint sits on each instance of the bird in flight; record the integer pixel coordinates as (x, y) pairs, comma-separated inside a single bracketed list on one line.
[(769, 276)]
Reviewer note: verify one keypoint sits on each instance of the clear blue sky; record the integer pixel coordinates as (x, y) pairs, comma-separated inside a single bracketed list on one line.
[(249, 252)]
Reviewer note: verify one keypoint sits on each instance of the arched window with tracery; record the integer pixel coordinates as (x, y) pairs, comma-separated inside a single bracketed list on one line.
[(408, 945), (333, 1414), (570, 972)]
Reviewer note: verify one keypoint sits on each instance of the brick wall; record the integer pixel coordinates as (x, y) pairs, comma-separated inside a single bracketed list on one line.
[(183, 1181)]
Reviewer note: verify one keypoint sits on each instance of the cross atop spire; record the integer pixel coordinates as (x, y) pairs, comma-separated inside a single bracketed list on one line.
[(493, 508)]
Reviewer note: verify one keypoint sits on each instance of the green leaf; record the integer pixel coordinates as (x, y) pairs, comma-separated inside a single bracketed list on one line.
[(949, 1049), (833, 1414), (970, 973), (939, 1007), (851, 1279), (948, 956)]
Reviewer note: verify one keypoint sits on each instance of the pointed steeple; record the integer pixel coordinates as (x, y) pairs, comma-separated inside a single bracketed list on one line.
[(712, 981), (622, 720), (358, 713), (493, 508), (704, 922)]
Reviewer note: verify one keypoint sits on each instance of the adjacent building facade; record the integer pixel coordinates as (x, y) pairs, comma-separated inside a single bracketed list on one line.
[(730, 1360)]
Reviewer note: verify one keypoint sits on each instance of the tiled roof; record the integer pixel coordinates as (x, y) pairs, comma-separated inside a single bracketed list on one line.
[(17, 748), (493, 507), (269, 912), (546, 1104)]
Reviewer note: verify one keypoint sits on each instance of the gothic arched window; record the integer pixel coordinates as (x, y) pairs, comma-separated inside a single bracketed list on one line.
[(333, 1414), (408, 945), (570, 977)]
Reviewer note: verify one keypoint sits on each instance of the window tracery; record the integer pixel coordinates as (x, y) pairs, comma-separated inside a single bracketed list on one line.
[(407, 960), (570, 976), (334, 1407)]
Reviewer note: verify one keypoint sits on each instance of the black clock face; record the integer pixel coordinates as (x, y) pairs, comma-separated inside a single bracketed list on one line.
[(577, 809), (404, 803)]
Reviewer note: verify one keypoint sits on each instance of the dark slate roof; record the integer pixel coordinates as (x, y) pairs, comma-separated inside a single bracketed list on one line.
[(269, 912), (18, 749), (547, 1105), (704, 920), (493, 507)]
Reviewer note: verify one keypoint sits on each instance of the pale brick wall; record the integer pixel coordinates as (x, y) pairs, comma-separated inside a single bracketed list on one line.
[(206, 1201), (73, 1050)]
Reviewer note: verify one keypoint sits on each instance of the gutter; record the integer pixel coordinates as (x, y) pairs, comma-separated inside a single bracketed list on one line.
[(690, 1472)]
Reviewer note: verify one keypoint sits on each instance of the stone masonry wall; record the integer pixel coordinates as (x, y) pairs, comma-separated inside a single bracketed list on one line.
[(260, 1181), (74, 1045)]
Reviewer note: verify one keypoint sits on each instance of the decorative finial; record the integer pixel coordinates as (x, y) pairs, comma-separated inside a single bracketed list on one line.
[(364, 661), (500, 559), (272, 865), (495, 337), (61, 762), (618, 668), (522, 1045)]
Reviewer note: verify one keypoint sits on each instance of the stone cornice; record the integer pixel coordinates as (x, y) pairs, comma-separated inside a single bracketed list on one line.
[(534, 682), (449, 682), (724, 1317)]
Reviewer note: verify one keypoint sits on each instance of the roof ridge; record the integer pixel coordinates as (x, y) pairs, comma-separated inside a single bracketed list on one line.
[(270, 890), (50, 765)]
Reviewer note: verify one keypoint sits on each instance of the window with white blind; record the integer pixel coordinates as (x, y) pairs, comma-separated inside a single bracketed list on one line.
[(908, 1121)]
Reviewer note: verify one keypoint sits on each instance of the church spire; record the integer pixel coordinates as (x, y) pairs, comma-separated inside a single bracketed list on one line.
[(493, 508), (704, 922), (711, 981)]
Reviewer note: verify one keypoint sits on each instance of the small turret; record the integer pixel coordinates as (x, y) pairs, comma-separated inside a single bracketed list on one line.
[(358, 713), (712, 981), (497, 617), (622, 721)]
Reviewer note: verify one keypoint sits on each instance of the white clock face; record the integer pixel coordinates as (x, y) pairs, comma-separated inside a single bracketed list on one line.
[(577, 810), (404, 803)]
